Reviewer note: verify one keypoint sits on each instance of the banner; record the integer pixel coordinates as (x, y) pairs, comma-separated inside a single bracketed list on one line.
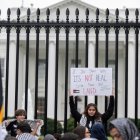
[(91, 81)]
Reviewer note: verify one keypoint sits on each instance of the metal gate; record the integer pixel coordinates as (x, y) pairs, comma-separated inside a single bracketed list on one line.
[(89, 27)]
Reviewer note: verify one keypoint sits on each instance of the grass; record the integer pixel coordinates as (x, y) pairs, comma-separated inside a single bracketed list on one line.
[(109, 138)]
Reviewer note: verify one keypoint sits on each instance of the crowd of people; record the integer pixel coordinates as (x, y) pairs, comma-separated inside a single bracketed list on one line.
[(90, 125)]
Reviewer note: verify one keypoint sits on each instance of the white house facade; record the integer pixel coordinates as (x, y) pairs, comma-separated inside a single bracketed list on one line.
[(71, 5)]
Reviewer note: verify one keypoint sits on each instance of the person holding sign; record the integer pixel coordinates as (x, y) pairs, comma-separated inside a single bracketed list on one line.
[(91, 118)]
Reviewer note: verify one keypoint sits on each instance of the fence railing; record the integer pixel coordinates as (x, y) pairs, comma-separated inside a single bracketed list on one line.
[(89, 27)]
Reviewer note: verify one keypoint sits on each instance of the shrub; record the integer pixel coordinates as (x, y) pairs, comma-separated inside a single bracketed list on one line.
[(50, 127), (138, 125), (70, 124)]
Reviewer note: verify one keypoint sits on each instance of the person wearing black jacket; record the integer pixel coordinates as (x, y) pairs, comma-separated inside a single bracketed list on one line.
[(20, 116), (91, 117)]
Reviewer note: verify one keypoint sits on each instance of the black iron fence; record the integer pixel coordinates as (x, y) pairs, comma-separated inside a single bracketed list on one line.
[(90, 27)]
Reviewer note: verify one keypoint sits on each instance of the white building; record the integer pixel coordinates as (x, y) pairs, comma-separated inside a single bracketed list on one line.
[(72, 5)]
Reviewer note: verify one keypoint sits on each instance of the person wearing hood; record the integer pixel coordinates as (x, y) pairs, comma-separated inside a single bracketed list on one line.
[(123, 129), (98, 131)]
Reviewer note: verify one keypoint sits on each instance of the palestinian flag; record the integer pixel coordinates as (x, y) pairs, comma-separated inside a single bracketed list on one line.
[(1, 100)]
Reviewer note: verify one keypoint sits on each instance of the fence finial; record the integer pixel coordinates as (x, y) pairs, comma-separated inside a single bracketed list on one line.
[(57, 14), (117, 14), (97, 14), (18, 15), (38, 14), (8, 14), (127, 14), (28, 14), (137, 14), (107, 14), (87, 14), (77, 14), (18, 12), (67, 14), (48, 14)]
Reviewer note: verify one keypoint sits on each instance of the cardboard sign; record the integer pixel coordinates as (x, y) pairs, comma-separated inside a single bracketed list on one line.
[(91, 81)]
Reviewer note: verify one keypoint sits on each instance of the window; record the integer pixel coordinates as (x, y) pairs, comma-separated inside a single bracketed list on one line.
[(41, 69), (111, 64), (73, 63), (2, 66), (40, 110)]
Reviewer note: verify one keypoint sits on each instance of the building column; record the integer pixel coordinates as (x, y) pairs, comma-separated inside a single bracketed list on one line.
[(21, 83), (91, 55), (51, 79), (11, 86), (131, 80), (139, 83), (91, 63)]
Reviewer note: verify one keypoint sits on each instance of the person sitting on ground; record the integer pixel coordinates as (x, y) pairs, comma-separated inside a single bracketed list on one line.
[(20, 116), (70, 136), (123, 129), (98, 131), (24, 132), (91, 114), (49, 137), (57, 136), (8, 137), (82, 132)]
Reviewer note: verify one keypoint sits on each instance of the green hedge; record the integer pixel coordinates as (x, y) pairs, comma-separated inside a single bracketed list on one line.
[(50, 127), (70, 124), (138, 125)]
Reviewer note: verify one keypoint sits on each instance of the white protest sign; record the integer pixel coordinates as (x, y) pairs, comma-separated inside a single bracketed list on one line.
[(91, 81)]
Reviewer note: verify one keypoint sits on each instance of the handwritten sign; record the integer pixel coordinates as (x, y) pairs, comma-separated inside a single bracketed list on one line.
[(91, 81)]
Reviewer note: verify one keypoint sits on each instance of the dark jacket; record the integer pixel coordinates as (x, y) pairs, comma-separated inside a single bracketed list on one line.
[(12, 128), (98, 131), (104, 117)]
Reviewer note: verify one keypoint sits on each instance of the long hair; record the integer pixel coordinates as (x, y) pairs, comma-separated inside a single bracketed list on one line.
[(80, 131), (97, 114)]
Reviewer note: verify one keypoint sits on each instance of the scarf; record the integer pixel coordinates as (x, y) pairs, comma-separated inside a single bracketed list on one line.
[(83, 121)]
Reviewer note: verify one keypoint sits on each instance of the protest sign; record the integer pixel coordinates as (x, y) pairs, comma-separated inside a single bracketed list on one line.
[(91, 81)]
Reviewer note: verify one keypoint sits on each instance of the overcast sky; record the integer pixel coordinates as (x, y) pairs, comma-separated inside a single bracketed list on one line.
[(5, 4)]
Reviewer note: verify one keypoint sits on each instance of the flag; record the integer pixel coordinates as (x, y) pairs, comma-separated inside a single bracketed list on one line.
[(1, 99)]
